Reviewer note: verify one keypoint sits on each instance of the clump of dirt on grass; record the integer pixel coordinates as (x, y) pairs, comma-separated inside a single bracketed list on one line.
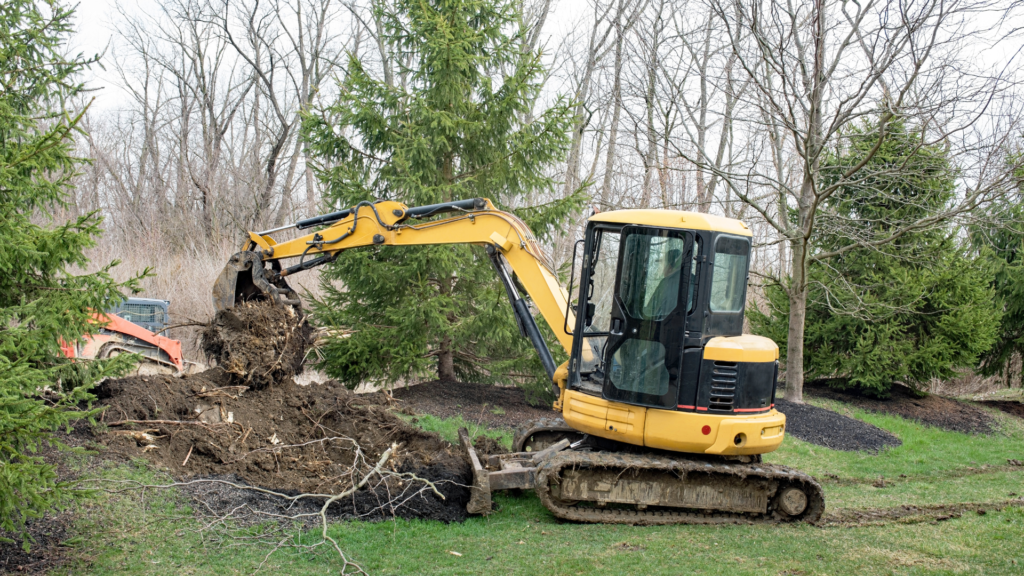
[(259, 344), (487, 446)]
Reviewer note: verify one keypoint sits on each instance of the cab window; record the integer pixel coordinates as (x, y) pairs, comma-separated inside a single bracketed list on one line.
[(729, 278), (653, 266)]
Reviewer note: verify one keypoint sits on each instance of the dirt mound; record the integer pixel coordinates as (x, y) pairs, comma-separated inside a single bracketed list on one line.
[(831, 430), (259, 343), (288, 438), (932, 409), (492, 406)]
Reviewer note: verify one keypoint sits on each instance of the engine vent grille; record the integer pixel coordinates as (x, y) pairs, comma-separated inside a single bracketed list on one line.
[(723, 386)]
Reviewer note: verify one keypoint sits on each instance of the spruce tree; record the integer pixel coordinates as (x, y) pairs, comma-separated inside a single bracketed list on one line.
[(41, 300), (999, 239), (908, 311), (455, 119)]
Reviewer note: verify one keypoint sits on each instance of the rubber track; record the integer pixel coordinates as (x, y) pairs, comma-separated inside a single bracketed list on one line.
[(553, 424), (552, 468)]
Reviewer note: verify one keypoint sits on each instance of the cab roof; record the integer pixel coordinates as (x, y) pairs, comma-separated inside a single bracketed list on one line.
[(674, 219)]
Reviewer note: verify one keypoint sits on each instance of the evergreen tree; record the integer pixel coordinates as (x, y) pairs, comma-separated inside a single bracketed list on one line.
[(1000, 240), (907, 312), (456, 120), (41, 300)]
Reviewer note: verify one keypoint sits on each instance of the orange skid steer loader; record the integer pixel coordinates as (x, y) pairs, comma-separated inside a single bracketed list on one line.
[(133, 328)]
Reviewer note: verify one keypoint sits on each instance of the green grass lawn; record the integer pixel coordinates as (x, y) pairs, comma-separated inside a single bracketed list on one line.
[(155, 535)]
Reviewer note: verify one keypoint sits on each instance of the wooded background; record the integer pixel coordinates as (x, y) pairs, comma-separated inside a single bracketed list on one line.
[(704, 105)]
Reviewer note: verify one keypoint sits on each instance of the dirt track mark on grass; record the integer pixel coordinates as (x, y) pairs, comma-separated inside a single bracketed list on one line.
[(909, 514), (883, 481)]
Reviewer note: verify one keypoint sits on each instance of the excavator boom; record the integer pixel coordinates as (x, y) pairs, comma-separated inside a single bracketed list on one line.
[(386, 223)]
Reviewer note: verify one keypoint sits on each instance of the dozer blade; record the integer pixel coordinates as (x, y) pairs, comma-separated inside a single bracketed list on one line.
[(244, 279)]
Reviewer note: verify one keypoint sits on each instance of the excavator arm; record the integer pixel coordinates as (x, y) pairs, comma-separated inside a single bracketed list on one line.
[(507, 239)]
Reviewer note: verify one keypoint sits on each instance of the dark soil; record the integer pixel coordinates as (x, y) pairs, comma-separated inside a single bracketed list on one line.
[(492, 406), (285, 437), (47, 534), (259, 343), (831, 430), (486, 446), (1008, 406), (932, 410)]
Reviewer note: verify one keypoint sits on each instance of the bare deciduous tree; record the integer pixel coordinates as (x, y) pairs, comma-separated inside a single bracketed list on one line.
[(816, 70)]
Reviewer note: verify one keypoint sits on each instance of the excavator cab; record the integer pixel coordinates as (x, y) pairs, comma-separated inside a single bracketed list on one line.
[(637, 288), (659, 300)]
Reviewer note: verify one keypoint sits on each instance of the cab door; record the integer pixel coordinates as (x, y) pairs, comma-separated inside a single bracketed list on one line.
[(644, 352)]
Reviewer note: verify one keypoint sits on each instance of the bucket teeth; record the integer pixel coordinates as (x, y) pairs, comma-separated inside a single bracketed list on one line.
[(244, 279)]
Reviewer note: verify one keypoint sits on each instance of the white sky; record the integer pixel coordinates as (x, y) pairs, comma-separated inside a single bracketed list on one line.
[(96, 22)]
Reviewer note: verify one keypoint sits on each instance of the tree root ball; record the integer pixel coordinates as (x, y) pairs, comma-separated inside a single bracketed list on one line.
[(258, 343)]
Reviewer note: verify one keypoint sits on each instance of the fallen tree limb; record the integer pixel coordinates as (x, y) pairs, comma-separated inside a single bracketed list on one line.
[(218, 523), (170, 422)]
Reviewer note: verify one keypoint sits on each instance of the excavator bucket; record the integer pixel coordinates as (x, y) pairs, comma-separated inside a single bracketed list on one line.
[(245, 279)]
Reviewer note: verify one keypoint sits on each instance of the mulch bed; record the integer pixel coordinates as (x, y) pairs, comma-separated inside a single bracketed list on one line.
[(477, 403), (47, 534), (933, 410), (1008, 406), (831, 430)]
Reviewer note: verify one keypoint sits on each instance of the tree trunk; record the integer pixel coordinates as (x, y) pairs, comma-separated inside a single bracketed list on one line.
[(446, 361), (609, 166), (797, 317)]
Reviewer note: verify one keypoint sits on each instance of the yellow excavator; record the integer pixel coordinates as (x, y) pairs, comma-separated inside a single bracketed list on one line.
[(665, 405)]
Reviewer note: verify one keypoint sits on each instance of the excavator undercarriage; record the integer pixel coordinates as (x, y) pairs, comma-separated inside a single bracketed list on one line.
[(584, 479)]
